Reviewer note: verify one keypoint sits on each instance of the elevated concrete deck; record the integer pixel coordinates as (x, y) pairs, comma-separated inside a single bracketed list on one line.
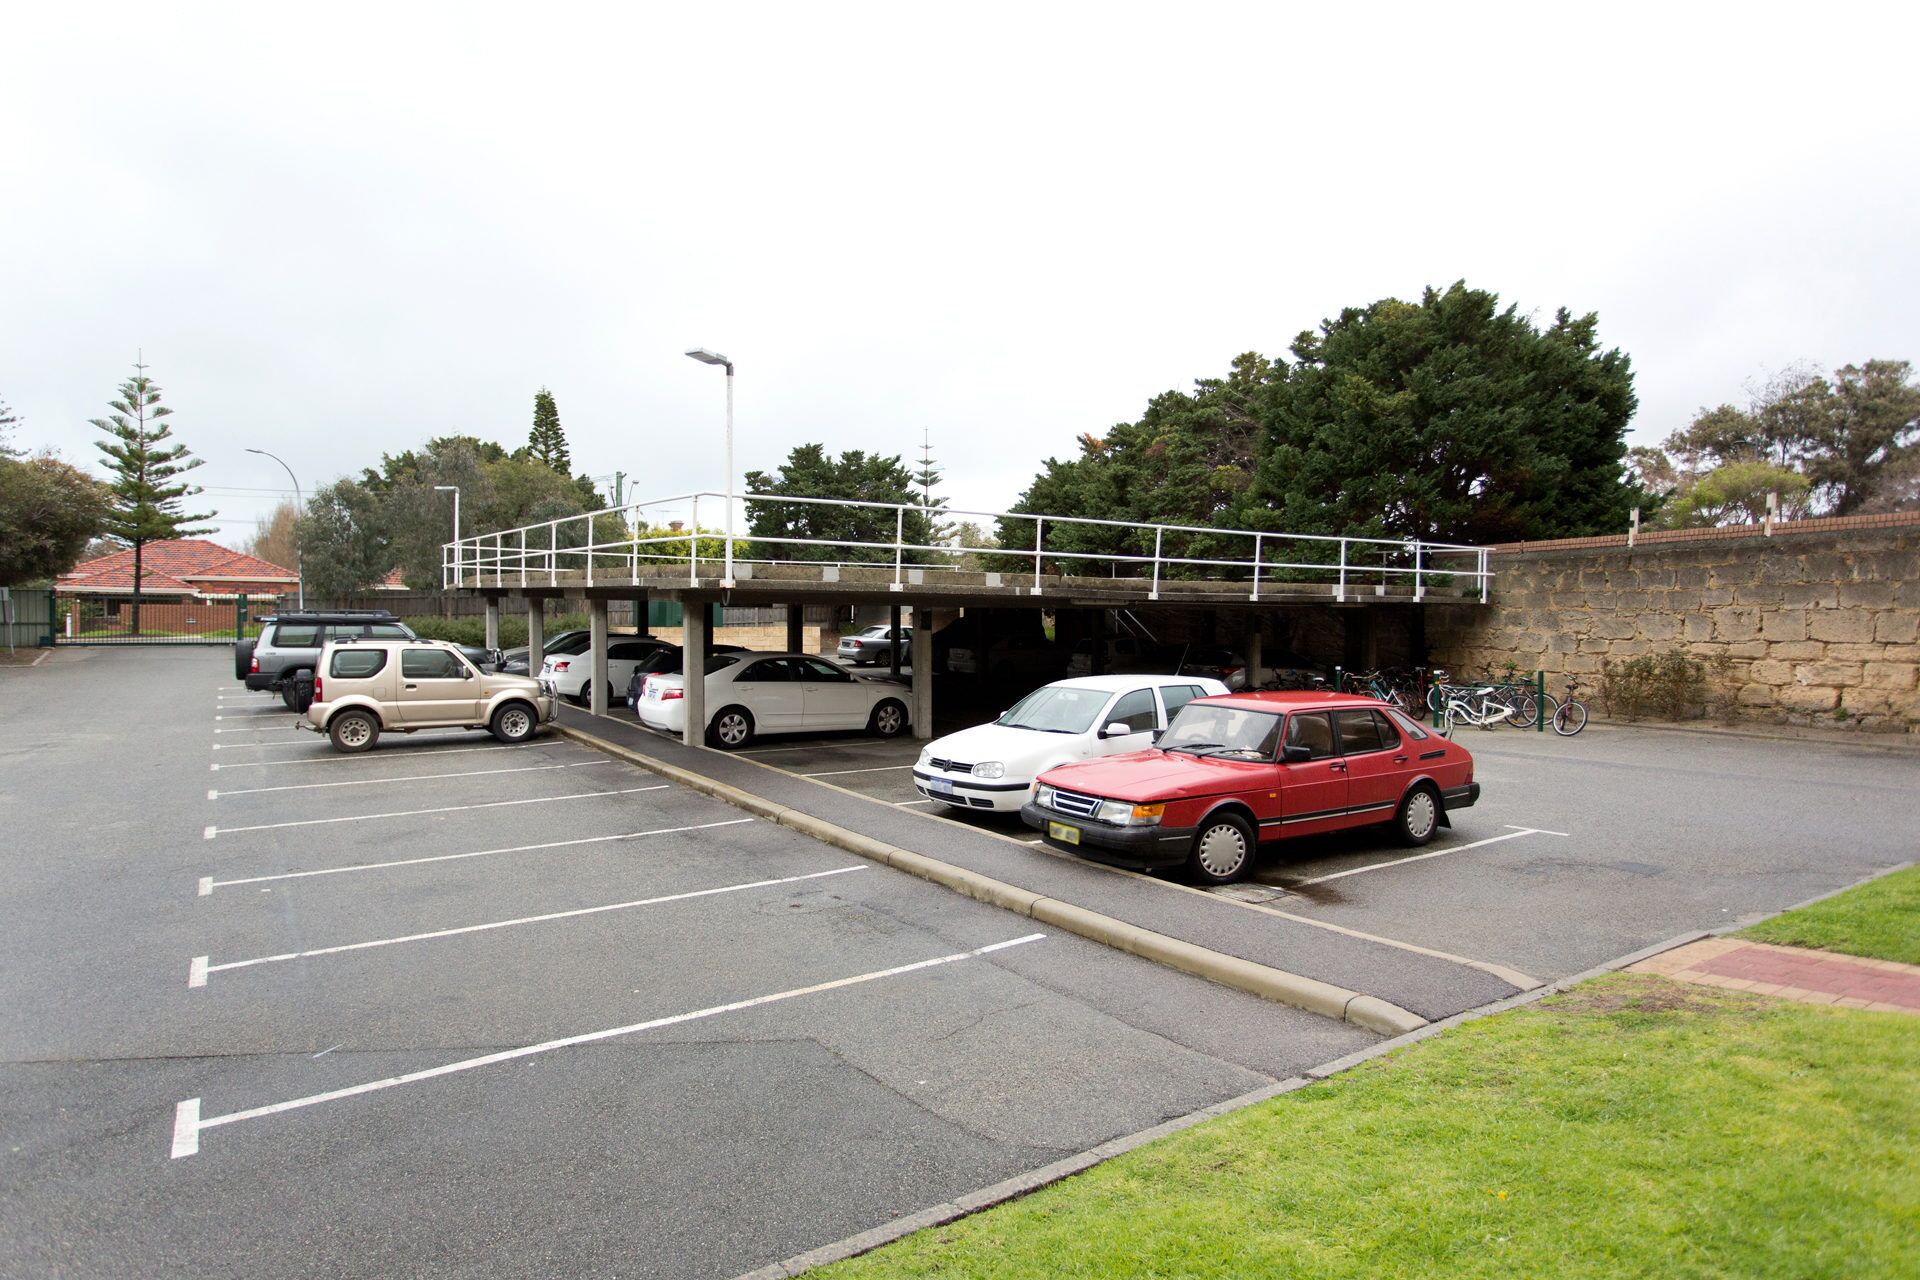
[(791, 583)]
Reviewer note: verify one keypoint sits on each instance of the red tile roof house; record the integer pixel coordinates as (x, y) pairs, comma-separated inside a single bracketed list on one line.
[(187, 585)]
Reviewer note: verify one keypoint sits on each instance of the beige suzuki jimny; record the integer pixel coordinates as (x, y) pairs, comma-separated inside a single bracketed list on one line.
[(363, 688)]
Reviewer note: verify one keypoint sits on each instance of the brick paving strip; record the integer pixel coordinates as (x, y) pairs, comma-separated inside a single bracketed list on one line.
[(1792, 973)]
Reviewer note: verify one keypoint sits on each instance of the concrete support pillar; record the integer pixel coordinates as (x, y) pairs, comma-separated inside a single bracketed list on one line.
[(1256, 658), (493, 622), (536, 635), (713, 625), (1098, 665), (597, 681), (922, 711), (796, 631), (640, 613), (696, 637), (893, 660)]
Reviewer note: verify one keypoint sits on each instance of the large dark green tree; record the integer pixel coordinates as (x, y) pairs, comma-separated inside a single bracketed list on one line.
[(547, 443), (1187, 461), (1871, 439), (48, 512), (1448, 419), (148, 494), (811, 472)]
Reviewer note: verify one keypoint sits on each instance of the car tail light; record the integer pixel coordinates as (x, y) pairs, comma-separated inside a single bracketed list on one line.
[(560, 666), (1228, 673), (668, 695), (253, 665), (317, 687)]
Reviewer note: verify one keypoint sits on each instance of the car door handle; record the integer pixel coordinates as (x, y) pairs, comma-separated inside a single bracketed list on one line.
[(1399, 759), (413, 686), (1337, 768)]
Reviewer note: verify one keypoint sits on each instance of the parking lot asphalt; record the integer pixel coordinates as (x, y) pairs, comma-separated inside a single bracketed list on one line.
[(454, 1008), (1580, 850)]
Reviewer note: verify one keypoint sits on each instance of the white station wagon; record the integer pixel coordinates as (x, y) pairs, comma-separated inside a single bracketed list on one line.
[(992, 766), (749, 694)]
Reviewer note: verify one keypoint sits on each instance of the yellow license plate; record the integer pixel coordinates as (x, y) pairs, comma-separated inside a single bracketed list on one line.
[(1063, 833)]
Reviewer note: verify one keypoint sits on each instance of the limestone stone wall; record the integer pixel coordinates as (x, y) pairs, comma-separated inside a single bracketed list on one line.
[(1820, 627)]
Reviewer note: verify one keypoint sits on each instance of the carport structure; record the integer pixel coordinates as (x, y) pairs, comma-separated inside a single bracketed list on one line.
[(836, 552)]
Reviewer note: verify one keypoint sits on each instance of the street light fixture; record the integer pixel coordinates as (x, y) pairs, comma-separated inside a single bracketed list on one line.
[(705, 356), (454, 489), (299, 569)]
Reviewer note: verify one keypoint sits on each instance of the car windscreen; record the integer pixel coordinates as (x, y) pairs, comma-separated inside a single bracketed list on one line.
[(1056, 709), (571, 644), (1214, 729)]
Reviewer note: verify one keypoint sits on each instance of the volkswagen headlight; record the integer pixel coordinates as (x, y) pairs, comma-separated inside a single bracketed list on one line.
[(926, 757), (990, 769)]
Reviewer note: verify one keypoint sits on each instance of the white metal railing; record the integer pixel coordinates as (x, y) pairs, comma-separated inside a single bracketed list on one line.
[(537, 554)]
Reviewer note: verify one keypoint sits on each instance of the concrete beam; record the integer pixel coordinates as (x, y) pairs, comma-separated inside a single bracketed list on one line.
[(599, 679), (536, 635), (695, 638), (922, 710)]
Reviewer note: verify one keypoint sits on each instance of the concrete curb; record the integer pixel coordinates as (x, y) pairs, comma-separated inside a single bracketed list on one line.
[(1276, 985), (1060, 1170)]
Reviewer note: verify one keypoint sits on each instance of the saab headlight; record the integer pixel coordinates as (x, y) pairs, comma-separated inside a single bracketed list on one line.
[(990, 769), (1125, 813), (1043, 795)]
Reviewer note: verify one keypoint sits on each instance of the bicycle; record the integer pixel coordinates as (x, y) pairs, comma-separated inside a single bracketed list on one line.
[(1476, 705), (1570, 717)]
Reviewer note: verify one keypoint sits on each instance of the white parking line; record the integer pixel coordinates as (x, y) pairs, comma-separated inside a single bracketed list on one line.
[(208, 884), (199, 968), (1437, 853), (265, 728), (211, 832), (411, 777), (335, 758), (908, 804), (835, 773), (188, 1124), (269, 746)]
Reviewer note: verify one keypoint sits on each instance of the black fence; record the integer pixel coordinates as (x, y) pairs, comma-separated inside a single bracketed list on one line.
[(120, 619)]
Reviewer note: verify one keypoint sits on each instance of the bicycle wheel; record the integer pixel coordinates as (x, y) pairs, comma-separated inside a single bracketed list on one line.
[(1527, 711), (1570, 719)]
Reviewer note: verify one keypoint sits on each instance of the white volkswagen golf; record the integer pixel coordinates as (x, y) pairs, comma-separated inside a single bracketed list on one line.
[(992, 766), (749, 694)]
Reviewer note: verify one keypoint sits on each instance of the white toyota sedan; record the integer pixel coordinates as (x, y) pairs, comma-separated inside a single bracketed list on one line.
[(749, 694), (569, 673), (991, 766)]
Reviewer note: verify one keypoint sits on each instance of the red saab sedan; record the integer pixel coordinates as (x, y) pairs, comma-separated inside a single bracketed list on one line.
[(1232, 771)]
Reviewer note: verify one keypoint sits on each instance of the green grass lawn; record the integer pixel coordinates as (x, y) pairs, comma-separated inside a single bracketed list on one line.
[(1880, 919), (1631, 1127)]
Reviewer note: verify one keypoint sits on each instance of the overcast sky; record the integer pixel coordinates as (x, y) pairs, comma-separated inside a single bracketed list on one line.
[(337, 231)]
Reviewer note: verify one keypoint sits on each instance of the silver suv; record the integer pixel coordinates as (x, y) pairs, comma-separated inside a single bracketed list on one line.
[(363, 688)]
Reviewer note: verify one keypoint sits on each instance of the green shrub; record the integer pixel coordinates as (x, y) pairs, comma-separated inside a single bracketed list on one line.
[(1669, 686), (513, 630)]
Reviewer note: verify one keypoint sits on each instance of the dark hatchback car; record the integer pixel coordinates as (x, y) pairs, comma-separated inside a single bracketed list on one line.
[(1232, 772)]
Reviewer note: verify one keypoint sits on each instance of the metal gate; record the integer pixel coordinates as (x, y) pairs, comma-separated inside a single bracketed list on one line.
[(116, 618)]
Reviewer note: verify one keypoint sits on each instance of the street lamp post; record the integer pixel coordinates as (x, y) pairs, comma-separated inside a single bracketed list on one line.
[(299, 569), (705, 356), (454, 489)]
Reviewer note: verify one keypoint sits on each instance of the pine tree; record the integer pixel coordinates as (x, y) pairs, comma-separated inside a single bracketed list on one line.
[(8, 421), (924, 479), (547, 444), (145, 506)]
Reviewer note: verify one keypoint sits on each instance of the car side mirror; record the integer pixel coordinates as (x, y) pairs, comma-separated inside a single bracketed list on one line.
[(1117, 729), (1295, 755)]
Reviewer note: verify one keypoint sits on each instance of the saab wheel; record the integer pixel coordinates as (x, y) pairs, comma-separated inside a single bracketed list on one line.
[(1418, 818), (732, 729), (1222, 849), (515, 722), (354, 731), (889, 719)]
